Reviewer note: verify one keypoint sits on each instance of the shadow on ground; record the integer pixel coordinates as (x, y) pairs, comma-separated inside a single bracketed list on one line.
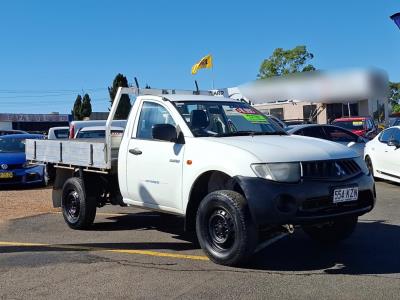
[(373, 249)]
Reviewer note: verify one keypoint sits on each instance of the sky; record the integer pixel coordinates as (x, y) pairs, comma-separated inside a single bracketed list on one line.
[(50, 51)]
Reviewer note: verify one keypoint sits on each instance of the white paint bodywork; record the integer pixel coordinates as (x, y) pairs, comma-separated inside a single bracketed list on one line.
[(161, 179), (385, 159)]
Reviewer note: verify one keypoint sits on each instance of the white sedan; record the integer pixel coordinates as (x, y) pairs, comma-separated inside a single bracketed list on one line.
[(382, 154)]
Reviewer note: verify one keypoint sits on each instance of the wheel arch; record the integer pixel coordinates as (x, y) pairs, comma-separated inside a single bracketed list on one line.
[(204, 184)]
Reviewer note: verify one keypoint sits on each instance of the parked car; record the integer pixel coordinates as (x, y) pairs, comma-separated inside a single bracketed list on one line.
[(11, 131), (292, 122), (382, 154), (362, 126), (98, 132), (331, 133), (75, 126), (56, 133), (14, 168)]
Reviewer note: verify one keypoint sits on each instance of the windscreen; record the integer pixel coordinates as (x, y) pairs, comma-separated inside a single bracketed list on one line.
[(350, 125), (225, 119), (11, 145)]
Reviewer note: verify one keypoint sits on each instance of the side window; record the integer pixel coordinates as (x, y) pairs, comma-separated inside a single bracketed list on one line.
[(299, 132), (396, 134), (386, 135), (151, 114), (314, 131), (340, 135)]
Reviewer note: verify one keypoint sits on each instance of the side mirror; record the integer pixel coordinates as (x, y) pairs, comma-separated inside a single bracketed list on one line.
[(164, 132), (395, 143)]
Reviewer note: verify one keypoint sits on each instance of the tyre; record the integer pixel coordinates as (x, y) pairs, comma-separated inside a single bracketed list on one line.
[(45, 180), (332, 232), (78, 209), (224, 228), (370, 167)]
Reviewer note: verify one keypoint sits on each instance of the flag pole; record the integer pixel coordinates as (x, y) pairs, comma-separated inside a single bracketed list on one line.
[(212, 72)]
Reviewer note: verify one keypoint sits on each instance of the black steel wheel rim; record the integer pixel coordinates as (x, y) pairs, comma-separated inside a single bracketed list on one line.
[(221, 229), (72, 206)]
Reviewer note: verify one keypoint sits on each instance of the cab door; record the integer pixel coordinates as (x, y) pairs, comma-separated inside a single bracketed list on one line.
[(154, 167)]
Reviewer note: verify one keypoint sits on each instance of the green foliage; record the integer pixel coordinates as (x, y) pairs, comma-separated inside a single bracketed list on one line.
[(86, 108), (396, 108), (124, 106), (394, 92), (284, 62), (76, 111)]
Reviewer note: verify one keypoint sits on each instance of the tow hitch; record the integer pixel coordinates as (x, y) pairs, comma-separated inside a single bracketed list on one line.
[(272, 236)]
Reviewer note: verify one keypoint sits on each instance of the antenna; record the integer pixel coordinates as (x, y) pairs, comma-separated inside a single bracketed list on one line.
[(136, 82), (197, 92)]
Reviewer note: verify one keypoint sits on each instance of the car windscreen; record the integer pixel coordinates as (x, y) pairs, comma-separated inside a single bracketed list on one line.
[(219, 118), (12, 145), (350, 125), (61, 133), (92, 134), (97, 134)]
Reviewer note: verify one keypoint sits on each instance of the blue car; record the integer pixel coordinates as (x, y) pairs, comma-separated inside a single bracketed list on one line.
[(14, 169)]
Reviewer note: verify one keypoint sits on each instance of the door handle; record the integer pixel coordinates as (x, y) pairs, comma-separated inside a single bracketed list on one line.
[(135, 151)]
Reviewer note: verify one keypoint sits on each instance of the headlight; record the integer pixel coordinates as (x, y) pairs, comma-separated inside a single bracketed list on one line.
[(361, 163), (282, 172)]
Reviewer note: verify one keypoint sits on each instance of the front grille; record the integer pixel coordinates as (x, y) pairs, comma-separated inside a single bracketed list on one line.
[(330, 169), (14, 166), (325, 205)]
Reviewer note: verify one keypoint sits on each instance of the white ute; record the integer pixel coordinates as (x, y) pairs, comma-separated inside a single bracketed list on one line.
[(237, 179)]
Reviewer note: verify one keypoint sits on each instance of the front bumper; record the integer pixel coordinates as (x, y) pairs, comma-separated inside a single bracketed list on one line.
[(306, 202), (26, 176)]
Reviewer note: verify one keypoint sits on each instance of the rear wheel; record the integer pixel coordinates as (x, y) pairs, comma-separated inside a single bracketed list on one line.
[(78, 209), (225, 229), (332, 232)]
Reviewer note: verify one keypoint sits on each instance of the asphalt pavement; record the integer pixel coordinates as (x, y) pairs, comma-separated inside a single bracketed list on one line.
[(130, 253)]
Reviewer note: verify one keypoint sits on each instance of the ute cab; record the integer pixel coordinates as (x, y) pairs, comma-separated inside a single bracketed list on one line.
[(361, 126)]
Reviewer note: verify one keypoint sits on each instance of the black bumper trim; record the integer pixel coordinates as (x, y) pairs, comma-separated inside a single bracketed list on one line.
[(273, 203)]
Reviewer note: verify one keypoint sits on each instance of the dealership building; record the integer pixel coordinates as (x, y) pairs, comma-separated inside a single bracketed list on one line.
[(33, 122)]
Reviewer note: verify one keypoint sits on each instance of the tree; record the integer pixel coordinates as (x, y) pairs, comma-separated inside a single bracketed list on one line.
[(86, 108), (124, 106), (76, 111), (284, 62)]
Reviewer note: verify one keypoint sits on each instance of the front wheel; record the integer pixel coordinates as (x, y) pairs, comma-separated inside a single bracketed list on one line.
[(225, 229), (333, 231), (370, 167), (78, 209)]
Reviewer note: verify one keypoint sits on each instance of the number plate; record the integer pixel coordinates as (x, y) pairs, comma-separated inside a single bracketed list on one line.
[(6, 175), (345, 194)]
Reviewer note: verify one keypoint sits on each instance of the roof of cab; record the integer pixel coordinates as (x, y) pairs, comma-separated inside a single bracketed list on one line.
[(188, 97)]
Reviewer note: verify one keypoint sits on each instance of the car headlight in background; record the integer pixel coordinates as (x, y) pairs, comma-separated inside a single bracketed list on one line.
[(281, 172), (361, 163)]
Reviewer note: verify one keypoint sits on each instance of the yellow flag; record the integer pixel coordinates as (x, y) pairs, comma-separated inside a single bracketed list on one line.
[(205, 62)]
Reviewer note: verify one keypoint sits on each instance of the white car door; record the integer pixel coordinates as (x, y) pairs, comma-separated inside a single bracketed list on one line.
[(393, 156), (154, 167), (379, 152)]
